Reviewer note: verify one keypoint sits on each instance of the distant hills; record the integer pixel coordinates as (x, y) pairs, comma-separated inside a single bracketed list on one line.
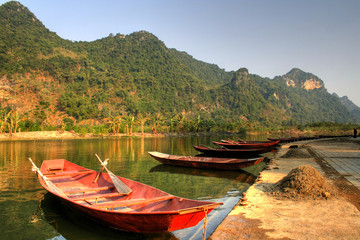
[(47, 78), (353, 109)]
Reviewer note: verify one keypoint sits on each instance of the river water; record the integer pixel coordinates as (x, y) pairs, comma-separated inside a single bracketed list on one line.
[(27, 211)]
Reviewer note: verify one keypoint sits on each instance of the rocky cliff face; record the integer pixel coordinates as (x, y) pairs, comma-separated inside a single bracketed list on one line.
[(297, 78), (311, 84)]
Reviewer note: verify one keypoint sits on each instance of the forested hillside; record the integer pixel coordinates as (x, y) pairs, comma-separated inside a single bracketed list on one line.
[(47, 79), (354, 110), (303, 97)]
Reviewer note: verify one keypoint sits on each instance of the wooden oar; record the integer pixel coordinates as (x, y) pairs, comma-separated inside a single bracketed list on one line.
[(50, 184), (119, 185), (102, 169)]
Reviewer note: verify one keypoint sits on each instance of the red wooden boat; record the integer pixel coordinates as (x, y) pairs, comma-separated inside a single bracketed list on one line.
[(206, 162), (295, 139), (225, 152), (246, 144), (144, 209)]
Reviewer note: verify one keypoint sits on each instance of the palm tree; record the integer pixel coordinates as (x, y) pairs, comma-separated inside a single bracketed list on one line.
[(173, 119), (130, 122), (197, 122), (181, 121), (115, 123), (157, 122), (142, 118)]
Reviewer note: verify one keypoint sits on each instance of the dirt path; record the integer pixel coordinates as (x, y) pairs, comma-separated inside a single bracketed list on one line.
[(269, 217)]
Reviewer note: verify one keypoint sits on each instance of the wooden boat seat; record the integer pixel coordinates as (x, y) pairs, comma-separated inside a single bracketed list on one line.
[(55, 169), (67, 173), (97, 196), (127, 203), (84, 190)]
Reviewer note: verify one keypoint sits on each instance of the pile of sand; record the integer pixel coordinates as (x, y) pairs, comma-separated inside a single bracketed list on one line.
[(304, 182)]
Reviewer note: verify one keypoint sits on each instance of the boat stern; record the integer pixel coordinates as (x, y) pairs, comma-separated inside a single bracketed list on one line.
[(49, 166)]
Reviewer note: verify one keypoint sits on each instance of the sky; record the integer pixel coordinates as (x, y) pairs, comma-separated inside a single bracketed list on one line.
[(268, 37)]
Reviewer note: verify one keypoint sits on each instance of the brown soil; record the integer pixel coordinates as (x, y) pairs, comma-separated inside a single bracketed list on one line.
[(304, 182), (300, 152)]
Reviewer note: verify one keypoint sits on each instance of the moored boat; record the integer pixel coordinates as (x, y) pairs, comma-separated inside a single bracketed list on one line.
[(294, 139), (225, 152), (206, 162), (304, 138), (96, 195), (246, 144)]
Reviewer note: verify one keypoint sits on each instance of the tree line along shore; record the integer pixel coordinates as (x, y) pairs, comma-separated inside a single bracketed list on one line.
[(13, 125)]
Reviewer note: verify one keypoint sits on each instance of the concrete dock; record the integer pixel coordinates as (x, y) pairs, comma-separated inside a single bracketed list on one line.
[(264, 216)]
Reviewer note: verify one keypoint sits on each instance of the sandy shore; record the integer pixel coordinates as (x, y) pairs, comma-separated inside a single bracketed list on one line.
[(42, 135), (268, 217)]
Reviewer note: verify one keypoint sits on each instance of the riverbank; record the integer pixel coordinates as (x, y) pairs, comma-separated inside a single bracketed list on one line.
[(268, 216), (52, 135), (48, 135)]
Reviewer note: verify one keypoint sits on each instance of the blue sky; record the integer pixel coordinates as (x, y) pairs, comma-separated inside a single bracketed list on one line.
[(268, 37)]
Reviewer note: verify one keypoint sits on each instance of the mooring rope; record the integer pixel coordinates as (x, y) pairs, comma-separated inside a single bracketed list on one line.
[(205, 223)]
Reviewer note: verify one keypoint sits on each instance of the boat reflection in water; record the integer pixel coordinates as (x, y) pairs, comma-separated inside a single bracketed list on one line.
[(242, 176), (72, 225)]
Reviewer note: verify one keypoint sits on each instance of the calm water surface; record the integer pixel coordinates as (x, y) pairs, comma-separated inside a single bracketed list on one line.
[(27, 211)]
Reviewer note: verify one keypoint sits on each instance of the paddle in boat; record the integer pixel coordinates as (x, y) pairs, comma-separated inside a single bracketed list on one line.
[(205, 162), (118, 202)]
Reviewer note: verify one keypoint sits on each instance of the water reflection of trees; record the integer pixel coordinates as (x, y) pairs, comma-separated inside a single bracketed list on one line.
[(15, 174)]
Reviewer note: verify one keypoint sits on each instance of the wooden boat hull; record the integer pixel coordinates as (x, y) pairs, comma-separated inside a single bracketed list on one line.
[(246, 145), (145, 223), (145, 209), (205, 162), (225, 152)]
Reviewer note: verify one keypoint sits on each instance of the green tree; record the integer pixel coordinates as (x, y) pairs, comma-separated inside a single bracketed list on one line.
[(13, 121), (142, 119), (180, 123), (4, 116), (158, 121), (172, 121), (130, 122), (115, 123)]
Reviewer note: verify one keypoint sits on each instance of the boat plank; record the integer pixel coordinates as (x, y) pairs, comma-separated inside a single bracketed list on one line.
[(126, 203), (67, 173), (84, 190), (97, 196)]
